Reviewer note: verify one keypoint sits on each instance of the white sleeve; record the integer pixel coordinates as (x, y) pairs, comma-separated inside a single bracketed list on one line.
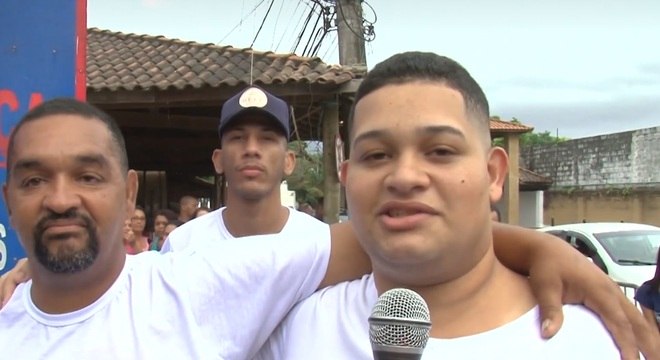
[(242, 289), (178, 239), (166, 246)]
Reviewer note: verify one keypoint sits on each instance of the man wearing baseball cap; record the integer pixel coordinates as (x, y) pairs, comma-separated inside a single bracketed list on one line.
[(254, 100), (254, 158)]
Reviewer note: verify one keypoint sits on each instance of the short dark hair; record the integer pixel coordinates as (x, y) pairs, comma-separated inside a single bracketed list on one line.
[(413, 66), (68, 106), (169, 214)]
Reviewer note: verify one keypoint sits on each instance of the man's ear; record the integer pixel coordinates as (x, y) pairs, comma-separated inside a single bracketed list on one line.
[(498, 167), (131, 192), (343, 172), (216, 158), (289, 162)]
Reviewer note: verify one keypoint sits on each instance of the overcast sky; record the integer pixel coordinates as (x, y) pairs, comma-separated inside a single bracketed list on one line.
[(576, 68)]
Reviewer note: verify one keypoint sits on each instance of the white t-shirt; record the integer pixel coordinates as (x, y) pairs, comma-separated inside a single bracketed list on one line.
[(219, 301), (209, 228), (333, 324)]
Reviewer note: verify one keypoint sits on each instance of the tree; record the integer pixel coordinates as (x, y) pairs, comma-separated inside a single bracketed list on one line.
[(307, 178)]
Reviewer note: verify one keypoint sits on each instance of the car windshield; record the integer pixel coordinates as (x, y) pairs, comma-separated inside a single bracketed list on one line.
[(631, 247)]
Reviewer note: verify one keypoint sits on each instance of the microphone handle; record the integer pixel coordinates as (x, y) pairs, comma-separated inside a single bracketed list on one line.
[(388, 355)]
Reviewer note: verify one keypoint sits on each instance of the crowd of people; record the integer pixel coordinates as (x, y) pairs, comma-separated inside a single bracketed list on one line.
[(252, 279), (140, 234)]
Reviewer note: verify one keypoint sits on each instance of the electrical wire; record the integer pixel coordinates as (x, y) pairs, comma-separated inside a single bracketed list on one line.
[(312, 37), (368, 28), (373, 11), (241, 21), (302, 31), (277, 20), (262, 23), (341, 12), (331, 47), (315, 51), (287, 26)]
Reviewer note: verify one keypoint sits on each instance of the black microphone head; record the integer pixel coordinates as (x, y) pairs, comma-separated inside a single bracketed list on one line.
[(399, 325)]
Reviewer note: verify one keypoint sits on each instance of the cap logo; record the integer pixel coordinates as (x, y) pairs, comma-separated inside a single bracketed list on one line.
[(253, 97)]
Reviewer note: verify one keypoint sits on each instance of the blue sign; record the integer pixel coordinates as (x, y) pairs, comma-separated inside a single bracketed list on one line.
[(42, 56)]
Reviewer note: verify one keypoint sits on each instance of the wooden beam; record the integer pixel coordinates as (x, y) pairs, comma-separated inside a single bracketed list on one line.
[(349, 87), (164, 121), (511, 185), (331, 181), (205, 96)]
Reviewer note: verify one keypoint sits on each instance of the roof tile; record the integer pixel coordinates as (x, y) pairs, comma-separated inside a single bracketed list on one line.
[(496, 124), (128, 61)]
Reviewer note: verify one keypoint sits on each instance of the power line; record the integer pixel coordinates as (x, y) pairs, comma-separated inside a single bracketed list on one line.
[(262, 22), (287, 26), (315, 51), (312, 36), (368, 29), (241, 21), (302, 31), (332, 48), (277, 20)]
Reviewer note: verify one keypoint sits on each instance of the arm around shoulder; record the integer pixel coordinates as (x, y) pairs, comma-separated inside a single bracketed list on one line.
[(348, 261)]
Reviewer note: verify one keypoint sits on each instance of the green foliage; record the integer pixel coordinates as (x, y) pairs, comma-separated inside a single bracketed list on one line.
[(533, 138), (307, 178)]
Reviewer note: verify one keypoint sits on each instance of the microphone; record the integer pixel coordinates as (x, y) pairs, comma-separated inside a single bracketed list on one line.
[(399, 325)]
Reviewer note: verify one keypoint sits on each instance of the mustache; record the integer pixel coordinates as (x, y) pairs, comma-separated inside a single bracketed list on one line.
[(67, 215)]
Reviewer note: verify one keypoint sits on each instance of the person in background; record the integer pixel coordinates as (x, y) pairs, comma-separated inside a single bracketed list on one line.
[(158, 234), (139, 223), (168, 229), (648, 297), (187, 207), (128, 238), (307, 209), (202, 211), (138, 241)]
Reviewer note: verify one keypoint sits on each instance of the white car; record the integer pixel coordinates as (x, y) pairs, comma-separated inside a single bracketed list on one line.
[(627, 252)]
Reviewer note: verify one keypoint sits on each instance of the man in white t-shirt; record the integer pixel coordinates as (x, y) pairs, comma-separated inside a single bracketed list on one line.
[(419, 183), (254, 281), (254, 158), (68, 193)]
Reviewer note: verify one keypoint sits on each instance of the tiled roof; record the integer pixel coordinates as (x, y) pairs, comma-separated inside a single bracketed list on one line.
[(528, 177), (117, 61), (498, 125)]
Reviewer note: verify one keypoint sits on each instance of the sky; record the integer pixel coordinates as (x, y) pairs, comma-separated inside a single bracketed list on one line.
[(573, 68)]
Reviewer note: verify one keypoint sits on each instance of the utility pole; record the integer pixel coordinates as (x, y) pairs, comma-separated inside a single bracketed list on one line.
[(350, 38), (350, 34)]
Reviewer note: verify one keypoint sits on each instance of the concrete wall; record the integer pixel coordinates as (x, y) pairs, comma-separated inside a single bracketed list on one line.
[(531, 209), (628, 158), (614, 177), (592, 206)]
